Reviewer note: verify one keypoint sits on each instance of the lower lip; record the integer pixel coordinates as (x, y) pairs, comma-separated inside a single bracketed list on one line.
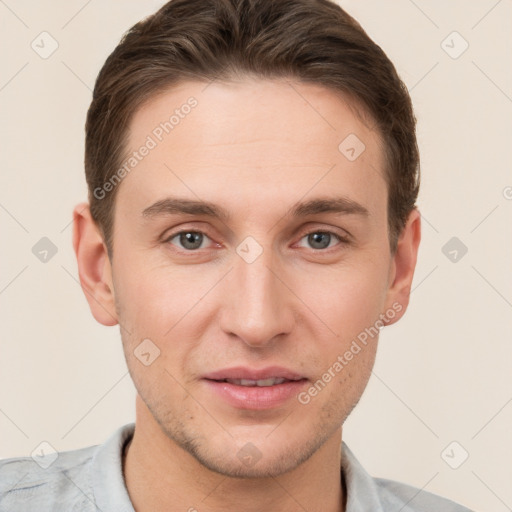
[(255, 397)]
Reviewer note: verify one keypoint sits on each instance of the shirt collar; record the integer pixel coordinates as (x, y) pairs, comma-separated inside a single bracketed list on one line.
[(362, 495), (107, 480)]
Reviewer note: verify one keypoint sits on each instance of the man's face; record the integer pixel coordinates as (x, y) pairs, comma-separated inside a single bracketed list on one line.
[(265, 288)]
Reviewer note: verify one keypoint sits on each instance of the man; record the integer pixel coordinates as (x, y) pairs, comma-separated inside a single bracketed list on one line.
[(251, 226)]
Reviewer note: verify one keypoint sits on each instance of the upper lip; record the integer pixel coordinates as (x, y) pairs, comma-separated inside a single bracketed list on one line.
[(242, 372)]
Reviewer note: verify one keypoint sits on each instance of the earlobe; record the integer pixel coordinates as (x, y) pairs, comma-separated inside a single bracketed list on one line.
[(403, 265), (93, 266)]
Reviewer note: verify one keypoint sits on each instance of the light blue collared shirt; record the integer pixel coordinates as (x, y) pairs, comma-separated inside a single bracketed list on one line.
[(91, 480)]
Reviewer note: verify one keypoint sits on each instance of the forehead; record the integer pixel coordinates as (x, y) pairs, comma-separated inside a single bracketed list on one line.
[(252, 138)]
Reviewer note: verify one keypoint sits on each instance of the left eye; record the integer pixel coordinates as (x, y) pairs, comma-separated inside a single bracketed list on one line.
[(321, 239), (189, 240)]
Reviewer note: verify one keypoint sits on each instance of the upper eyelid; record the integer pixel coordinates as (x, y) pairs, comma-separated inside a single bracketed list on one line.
[(305, 230)]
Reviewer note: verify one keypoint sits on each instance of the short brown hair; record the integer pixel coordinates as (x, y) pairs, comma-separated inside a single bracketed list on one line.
[(311, 41)]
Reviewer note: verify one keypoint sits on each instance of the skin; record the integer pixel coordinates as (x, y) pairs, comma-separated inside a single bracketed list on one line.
[(256, 148)]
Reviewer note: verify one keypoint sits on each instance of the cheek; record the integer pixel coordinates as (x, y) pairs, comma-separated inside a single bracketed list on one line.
[(153, 306), (156, 296), (345, 300), (164, 305)]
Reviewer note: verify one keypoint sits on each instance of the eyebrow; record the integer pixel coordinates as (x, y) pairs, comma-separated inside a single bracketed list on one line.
[(173, 205)]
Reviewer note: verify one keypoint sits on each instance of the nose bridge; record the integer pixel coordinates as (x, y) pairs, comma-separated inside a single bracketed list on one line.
[(257, 307)]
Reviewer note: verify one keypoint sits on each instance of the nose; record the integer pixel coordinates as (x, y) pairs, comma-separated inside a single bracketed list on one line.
[(257, 305)]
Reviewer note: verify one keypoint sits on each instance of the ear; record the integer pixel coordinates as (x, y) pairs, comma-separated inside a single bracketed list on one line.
[(402, 267), (94, 267)]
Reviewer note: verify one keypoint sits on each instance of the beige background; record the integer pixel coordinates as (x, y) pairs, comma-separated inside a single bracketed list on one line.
[(443, 373)]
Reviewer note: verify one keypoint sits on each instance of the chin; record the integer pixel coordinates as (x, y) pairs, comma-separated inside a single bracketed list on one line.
[(249, 456)]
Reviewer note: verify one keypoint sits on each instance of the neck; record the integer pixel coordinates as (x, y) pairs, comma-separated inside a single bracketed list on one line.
[(161, 476)]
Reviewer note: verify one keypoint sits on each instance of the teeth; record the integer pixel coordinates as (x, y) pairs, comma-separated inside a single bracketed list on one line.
[(272, 381)]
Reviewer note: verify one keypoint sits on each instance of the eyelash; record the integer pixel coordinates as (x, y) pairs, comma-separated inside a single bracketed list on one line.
[(341, 239)]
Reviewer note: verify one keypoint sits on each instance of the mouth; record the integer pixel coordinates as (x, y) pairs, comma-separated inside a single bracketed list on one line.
[(245, 388)]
